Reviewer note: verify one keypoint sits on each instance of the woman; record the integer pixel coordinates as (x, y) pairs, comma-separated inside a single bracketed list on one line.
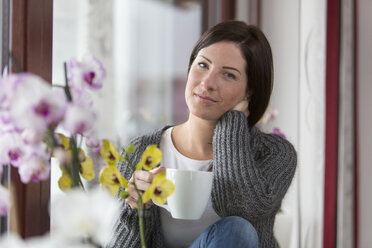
[(228, 89)]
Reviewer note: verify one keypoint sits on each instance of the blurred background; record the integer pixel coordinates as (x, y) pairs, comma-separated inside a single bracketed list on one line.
[(322, 59)]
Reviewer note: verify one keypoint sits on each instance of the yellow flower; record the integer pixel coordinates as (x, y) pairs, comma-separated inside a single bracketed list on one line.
[(159, 190), (64, 182), (65, 142), (151, 157), (109, 153), (112, 179), (86, 167)]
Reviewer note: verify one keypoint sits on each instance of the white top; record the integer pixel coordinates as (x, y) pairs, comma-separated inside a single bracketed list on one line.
[(177, 232)]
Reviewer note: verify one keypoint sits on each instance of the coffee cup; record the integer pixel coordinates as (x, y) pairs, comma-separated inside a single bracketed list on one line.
[(191, 194)]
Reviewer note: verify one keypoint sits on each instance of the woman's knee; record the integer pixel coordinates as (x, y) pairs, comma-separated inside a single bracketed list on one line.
[(241, 229), (239, 223), (230, 231)]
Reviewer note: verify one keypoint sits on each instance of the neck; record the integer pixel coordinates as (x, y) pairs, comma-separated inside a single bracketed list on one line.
[(194, 138)]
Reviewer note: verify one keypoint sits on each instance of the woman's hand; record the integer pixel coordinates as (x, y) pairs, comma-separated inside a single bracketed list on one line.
[(242, 106), (143, 180)]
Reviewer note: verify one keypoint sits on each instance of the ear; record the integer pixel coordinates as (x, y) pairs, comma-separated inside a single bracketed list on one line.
[(248, 95)]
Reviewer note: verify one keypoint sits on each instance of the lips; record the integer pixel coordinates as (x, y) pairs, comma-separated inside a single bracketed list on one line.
[(205, 98)]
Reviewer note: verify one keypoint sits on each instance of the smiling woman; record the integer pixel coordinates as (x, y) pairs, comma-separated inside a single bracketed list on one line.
[(217, 80), (251, 170), (152, 71)]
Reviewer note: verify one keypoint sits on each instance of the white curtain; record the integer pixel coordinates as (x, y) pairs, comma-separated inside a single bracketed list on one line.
[(297, 32)]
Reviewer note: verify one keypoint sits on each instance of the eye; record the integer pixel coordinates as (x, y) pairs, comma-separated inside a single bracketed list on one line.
[(202, 65), (230, 75)]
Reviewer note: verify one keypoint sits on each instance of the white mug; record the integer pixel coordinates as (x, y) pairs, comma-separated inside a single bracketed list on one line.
[(191, 194)]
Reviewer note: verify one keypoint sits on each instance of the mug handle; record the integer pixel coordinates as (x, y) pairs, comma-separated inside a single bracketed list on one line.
[(165, 206)]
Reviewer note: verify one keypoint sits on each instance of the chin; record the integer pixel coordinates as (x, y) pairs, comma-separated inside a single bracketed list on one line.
[(205, 112), (205, 115)]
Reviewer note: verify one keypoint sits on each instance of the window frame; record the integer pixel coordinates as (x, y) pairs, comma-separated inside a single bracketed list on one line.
[(31, 50)]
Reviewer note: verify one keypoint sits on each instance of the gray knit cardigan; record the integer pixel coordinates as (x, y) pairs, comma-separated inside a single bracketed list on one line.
[(252, 172)]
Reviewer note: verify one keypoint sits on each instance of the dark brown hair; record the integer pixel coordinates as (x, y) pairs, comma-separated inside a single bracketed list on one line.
[(259, 62)]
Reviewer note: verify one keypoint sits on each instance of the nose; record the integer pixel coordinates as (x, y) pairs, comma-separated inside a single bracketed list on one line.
[(209, 82)]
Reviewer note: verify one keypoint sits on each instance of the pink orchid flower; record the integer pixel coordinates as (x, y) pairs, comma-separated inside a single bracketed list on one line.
[(277, 131), (88, 73), (79, 119), (36, 105)]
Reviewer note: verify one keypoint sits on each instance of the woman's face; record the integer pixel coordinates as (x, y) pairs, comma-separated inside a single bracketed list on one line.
[(217, 80)]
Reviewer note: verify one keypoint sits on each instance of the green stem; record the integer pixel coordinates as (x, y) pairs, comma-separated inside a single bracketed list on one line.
[(140, 218), (67, 88), (139, 204), (50, 139), (130, 163), (75, 163)]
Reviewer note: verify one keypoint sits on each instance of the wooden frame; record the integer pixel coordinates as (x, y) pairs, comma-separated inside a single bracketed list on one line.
[(212, 14), (331, 123), (32, 22), (227, 10)]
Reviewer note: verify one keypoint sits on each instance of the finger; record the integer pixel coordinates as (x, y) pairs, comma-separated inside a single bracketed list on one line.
[(143, 176), (148, 176), (246, 112), (157, 170), (142, 180), (131, 179), (141, 185), (132, 203), (241, 106), (133, 200), (244, 105), (133, 192)]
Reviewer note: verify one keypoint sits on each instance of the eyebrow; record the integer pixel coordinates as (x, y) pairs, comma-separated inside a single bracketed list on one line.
[(224, 67)]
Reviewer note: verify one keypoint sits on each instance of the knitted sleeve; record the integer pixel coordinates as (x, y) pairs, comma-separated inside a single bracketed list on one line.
[(252, 170), (126, 229)]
